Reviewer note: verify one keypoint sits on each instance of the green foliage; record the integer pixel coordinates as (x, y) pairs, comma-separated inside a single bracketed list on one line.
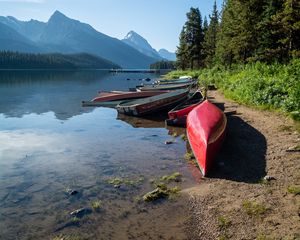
[(223, 222), (190, 50), (247, 32), (210, 37), (117, 181), (176, 176), (163, 65), (294, 190), (96, 205), (15, 60), (270, 86), (254, 209), (182, 51), (161, 191)]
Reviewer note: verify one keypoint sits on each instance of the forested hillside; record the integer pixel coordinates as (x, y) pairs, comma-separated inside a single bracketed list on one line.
[(15, 60), (249, 49), (242, 32)]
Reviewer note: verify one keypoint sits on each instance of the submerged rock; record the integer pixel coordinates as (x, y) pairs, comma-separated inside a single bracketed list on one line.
[(81, 212), (71, 192)]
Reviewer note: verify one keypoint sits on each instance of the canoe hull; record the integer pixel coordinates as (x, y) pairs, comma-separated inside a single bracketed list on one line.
[(206, 128), (153, 105), (165, 87), (119, 95), (180, 112)]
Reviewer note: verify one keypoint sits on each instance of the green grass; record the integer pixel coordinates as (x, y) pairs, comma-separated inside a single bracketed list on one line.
[(254, 209), (294, 190), (223, 222), (274, 86), (117, 181), (96, 205), (183, 137)]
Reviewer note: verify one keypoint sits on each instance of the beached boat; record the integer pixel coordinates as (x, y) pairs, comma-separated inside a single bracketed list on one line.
[(113, 98), (206, 125), (174, 86), (178, 115), (153, 104), (175, 81)]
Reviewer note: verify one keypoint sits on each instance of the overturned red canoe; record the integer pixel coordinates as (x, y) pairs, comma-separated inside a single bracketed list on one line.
[(206, 125)]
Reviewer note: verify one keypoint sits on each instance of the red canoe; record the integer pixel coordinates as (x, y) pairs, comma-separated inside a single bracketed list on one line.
[(206, 125), (178, 115)]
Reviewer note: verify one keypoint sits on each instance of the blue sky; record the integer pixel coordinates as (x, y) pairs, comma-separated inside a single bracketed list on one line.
[(159, 21)]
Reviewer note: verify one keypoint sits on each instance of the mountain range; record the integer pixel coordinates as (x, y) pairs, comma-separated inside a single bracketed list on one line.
[(65, 35), (141, 44)]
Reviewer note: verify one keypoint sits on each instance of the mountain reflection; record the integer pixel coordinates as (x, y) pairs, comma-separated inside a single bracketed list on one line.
[(24, 92)]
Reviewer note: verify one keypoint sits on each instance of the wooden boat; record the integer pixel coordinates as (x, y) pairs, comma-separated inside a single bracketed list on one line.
[(152, 104), (206, 125), (178, 115), (165, 87), (113, 98), (175, 81), (121, 95)]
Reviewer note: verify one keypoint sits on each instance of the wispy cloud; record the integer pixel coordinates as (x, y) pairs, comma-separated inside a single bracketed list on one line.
[(23, 1)]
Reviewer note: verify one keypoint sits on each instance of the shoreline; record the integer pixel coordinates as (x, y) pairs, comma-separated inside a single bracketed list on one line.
[(235, 202)]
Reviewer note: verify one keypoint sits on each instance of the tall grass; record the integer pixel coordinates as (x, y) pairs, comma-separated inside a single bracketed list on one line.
[(273, 86)]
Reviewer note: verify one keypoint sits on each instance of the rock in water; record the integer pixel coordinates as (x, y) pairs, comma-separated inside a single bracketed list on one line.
[(269, 178), (81, 212)]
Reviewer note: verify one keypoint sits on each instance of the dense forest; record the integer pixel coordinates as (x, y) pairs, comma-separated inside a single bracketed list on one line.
[(242, 32), (164, 64), (249, 49), (16, 60)]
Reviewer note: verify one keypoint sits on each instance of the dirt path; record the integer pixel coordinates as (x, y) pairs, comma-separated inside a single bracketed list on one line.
[(234, 202)]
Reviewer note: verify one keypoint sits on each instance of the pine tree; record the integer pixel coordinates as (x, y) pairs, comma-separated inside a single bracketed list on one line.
[(210, 38), (205, 25), (194, 37), (288, 27), (269, 32), (239, 34), (182, 51)]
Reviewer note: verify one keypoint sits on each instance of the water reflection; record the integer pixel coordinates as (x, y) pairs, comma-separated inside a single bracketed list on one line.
[(41, 156), (61, 92)]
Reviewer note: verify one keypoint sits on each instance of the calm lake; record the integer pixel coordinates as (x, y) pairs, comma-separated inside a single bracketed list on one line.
[(51, 146)]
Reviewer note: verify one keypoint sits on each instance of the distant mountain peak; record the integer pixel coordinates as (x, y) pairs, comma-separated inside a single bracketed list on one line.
[(12, 18), (132, 34), (141, 44), (57, 15), (164, 53)]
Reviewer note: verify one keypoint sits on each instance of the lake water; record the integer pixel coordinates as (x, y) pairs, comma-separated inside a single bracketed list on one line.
[(50, 145)]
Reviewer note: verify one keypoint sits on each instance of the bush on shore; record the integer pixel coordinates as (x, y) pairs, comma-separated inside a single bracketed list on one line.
[(274, 86)]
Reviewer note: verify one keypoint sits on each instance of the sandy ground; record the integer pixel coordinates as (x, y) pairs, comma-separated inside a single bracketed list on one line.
[(233, 202)]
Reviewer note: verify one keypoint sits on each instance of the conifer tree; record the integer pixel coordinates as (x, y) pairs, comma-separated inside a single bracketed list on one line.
[(269, 32), (288, 22), (182, 51), (194, 37), (210, 38)]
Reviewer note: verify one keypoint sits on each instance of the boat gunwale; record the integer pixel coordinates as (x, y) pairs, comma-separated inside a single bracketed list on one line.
[(175, 109), (158, 99)]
